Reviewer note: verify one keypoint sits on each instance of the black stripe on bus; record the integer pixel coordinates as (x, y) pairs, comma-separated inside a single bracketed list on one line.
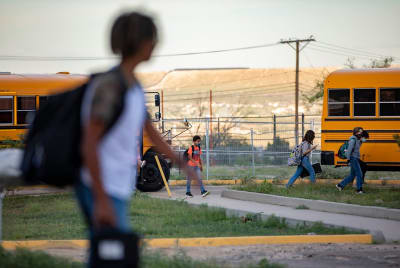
[(369, 131), (362, 119), (13, 127), (368, 141)]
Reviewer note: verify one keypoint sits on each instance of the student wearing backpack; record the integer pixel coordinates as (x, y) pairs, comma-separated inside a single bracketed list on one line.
[(353, 158), (306, 148), (194, 162), (109, 155)]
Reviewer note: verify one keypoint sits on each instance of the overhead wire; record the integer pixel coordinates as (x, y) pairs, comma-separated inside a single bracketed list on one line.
[(71, 58)]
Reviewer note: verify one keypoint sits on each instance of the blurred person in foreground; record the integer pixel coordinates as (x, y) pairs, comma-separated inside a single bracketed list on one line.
[(108, 173)]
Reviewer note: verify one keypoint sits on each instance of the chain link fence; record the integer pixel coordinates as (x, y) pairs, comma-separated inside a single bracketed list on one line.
[(237, 147)]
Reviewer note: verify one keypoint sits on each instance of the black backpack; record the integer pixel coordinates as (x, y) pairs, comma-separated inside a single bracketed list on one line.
[(186, 153), (52, 154)]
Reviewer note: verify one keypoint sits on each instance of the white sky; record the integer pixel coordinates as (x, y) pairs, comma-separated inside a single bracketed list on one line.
[(81, 29)]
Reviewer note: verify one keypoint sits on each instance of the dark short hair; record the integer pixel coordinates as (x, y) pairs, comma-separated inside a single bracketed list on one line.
[(197, 137), (365, 134), (129, 31), (310, 135), (357, 129)]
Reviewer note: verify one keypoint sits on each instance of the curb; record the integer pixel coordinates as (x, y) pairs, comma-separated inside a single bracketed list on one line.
[(284, 181), (236, 182), (319, 205), (203, 241)]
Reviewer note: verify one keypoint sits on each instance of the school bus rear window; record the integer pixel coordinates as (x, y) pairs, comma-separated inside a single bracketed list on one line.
[(6, 109), (364, 102), (389, 99), (339, 102)]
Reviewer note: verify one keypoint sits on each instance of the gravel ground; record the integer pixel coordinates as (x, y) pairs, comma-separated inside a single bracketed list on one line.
[(299, 256)]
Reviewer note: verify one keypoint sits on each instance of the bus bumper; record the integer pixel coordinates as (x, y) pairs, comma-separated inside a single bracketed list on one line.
[(327, 158)]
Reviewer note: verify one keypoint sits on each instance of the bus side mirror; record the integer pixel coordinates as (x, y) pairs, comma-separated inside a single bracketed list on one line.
[(157, 115), (157, 100)]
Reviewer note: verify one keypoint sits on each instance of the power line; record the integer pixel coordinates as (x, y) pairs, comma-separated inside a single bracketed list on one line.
[(241, 89), (268, 86), (337, 53), (69, 58), (218, 51), (287, 89), (223, 82), (353, 54), (352, 49)]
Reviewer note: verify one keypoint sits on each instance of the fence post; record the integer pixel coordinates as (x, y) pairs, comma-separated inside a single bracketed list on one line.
[(312, 128), (302, 124), (207, 146), (1, 213), (274, 118), (252, 150)]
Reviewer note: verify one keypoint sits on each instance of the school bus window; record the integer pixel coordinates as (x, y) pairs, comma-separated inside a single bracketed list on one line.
[(364, 102), (339, 102), (43, 100), (6, 109), (25, 105), (389, 101)]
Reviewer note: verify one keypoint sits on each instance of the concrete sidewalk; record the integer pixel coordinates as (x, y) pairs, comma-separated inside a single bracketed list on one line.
[(381, 229)]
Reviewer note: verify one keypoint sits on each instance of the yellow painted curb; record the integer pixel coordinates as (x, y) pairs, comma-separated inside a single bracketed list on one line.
[(40, 244), (204, 241), (283, 181)]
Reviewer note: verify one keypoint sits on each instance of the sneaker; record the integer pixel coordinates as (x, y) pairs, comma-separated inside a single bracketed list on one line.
[(205, 193), (339, 187), (360, 191), (189, 194)]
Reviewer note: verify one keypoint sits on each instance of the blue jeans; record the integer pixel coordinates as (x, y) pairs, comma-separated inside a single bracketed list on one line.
[(355, 171), (189, 181), (85, 200), (305, 163)]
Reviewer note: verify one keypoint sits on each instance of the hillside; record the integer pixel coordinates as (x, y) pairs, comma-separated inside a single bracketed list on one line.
[(235, 92)]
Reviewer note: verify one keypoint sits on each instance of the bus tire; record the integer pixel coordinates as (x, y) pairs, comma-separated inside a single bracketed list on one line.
[(149, 179)]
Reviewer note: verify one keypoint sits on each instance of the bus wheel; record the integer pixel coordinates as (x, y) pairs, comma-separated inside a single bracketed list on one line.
[(150, 179)]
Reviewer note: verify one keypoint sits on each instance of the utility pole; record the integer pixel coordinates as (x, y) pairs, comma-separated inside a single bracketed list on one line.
[(297, 49), (211, 118)]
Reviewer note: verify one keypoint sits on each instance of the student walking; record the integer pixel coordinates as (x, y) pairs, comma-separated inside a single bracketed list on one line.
[(306, 148), (195, 163), (109, 154), (353, 158)]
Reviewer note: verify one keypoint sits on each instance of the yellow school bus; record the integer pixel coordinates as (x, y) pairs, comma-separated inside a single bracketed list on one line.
[(21, 95), (368, 98)]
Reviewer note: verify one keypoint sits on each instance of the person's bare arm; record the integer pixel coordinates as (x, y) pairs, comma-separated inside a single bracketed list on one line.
[(103, 213), (159, 142), (164, 148), (310, 150)]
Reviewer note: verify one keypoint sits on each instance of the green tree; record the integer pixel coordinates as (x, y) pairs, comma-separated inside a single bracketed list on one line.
[(318, 92), (278, 145)]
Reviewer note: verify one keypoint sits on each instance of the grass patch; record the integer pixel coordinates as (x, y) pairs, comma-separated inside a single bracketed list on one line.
[(389, 198), (23, 258), (57, 217), (302, 207), (280, 172)]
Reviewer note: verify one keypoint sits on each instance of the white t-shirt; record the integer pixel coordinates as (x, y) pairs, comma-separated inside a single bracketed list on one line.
[(118, 148)]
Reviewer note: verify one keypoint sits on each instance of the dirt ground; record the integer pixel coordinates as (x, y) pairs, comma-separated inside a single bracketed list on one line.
[(299, 256)]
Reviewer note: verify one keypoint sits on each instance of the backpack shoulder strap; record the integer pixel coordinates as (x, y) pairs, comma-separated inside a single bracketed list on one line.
[(192, 150)]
